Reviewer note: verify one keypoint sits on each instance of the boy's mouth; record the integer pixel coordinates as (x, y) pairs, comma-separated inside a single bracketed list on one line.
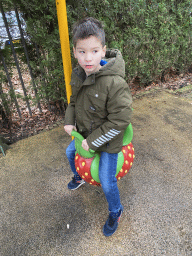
[(89, 66)]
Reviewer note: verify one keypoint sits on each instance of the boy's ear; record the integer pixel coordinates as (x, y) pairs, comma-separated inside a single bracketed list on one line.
[(104, 51), (74, 52)]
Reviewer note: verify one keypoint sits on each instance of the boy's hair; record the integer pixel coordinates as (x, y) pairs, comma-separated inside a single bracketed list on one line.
[(88, 27)]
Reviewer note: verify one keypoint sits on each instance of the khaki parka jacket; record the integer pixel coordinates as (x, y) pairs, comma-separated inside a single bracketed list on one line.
[(100, 104)]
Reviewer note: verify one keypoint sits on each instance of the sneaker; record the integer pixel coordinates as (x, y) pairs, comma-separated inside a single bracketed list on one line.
[(75, 183), (112, 223)]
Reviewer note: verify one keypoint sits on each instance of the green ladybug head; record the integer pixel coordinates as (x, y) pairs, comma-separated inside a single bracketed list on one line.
[(78, 142)]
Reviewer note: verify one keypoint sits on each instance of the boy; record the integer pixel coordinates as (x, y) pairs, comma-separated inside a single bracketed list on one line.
[(100, 110)]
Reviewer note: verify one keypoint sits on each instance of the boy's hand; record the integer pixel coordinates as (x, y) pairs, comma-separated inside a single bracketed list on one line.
[(85, 145), (69, 129)]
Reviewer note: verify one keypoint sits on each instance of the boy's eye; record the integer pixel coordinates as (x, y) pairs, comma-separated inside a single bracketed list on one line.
[(81, 52), (95, 51)]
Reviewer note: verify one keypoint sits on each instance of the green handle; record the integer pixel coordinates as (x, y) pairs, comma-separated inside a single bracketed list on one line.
[(77, 136), (78, 142), (128, 135)]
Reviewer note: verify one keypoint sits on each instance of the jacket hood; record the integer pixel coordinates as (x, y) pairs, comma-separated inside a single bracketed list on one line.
[(115, 64)]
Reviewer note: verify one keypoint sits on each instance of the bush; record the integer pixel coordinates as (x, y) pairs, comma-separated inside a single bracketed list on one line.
[(153, 37)]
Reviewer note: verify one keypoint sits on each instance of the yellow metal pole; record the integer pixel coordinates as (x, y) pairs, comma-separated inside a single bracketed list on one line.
[(65, 45)]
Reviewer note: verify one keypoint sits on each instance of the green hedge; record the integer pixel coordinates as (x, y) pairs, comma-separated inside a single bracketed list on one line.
[(152, 35)]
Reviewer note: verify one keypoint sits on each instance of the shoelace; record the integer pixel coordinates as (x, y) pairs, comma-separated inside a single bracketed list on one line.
[(111, 221), (113, 217), (76, 178)]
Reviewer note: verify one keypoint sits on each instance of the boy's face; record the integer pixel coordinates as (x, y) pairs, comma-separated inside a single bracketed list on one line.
[(89, 53)]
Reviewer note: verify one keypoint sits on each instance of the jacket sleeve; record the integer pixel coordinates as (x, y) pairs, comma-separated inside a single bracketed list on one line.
[(119, 115), (70, 111)]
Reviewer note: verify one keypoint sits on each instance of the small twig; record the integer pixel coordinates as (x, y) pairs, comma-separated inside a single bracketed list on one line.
[(2, 150)]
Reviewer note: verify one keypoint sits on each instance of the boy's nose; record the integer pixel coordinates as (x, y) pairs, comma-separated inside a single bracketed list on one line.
[(88, 57)]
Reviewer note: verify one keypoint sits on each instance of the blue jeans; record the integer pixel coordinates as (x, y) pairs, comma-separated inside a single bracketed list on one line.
[(107, 171)]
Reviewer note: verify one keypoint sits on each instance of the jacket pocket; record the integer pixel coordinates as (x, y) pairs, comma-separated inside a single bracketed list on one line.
[(95, 103)]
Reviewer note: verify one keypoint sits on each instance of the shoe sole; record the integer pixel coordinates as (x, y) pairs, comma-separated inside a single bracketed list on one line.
[(80, 184)]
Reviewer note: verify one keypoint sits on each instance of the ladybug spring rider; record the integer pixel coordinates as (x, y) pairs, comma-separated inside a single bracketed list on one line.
[(87, 162)]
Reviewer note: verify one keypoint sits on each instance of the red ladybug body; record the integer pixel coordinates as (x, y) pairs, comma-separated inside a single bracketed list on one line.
[(83, 165)]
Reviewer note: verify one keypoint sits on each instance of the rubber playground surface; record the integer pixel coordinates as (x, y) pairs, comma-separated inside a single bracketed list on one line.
[(40, 216)]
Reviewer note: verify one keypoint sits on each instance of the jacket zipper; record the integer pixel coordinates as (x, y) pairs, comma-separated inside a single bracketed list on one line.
[(90, 130)]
